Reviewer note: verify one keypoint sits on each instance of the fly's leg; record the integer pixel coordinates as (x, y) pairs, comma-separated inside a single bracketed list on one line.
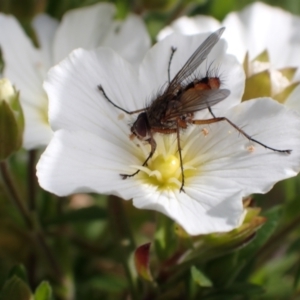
[(101, 89), (153, 148), (220, 119), (210, 110), (180, 157), (173, 50)]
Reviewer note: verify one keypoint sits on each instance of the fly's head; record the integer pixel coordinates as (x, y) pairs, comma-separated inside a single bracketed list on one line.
[(141, 128)]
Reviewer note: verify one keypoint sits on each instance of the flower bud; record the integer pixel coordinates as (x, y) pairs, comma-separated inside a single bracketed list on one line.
[(263, 80), (11, 119), (244, 233)]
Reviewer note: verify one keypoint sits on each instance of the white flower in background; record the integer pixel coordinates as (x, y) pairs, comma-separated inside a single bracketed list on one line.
[(254, 30), (92, 143), (26, 66)]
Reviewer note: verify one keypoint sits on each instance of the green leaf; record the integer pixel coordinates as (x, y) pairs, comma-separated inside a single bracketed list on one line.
[(165, 238), (43, 291), (20, 272), (87, 214), (273, 217), (240, 289), (234, 263), (200, 278), (15, 289), (108, 283)]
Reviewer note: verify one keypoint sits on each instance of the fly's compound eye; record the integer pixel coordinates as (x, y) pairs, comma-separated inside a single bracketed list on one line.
[(141, 127)]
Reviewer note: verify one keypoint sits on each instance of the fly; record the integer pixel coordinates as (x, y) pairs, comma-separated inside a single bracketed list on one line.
[(174, 109)]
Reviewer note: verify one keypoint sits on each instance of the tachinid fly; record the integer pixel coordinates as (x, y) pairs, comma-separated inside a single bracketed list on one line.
[(174, 109)]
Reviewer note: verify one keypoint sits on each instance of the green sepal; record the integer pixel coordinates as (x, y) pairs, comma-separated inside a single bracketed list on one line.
[(258, 85), (282, 96), (262, 57), (233, 264), (289, 73), (17, 108), (15, 288), (10, 140)]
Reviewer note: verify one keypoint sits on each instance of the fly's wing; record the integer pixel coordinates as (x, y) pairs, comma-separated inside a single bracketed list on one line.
[(194, 100), (196, 59)]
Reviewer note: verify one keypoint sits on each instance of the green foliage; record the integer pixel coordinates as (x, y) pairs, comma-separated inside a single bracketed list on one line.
[(43, 292), (200, 278), (15, 288), (86, 214), (8, 129)]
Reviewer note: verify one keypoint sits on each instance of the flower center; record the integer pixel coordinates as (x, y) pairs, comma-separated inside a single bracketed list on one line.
[(166, 166), (163, 169)]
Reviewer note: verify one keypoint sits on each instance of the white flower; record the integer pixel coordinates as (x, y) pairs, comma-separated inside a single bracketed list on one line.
[(26, 66), (92, 146), (256, 28)]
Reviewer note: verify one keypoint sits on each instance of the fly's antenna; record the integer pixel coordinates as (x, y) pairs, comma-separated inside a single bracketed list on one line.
[(173, 50)]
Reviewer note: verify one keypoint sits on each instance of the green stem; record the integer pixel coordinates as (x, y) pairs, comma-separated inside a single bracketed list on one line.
[(31, 180), (40, 238), (29, 219), (123, 238), (14, 195)]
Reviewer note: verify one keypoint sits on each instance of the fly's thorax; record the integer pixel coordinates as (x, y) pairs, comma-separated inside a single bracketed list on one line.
[(141, 128), (156, 111)]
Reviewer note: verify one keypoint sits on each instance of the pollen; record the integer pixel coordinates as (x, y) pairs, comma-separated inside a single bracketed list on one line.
[(251, 148), (205, 131), (121, 116)]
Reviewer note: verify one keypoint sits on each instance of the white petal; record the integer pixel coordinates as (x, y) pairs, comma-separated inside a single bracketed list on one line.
[(37, 132), (24, 68), (200, 213), (85, 27), (45, 28), (225, 154), (75, 101), (189, 26), (293, 100), (129, 38), (259, 27), (81, 161)]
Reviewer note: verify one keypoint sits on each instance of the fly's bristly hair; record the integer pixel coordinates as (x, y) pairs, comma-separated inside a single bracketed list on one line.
[(156, 94)]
